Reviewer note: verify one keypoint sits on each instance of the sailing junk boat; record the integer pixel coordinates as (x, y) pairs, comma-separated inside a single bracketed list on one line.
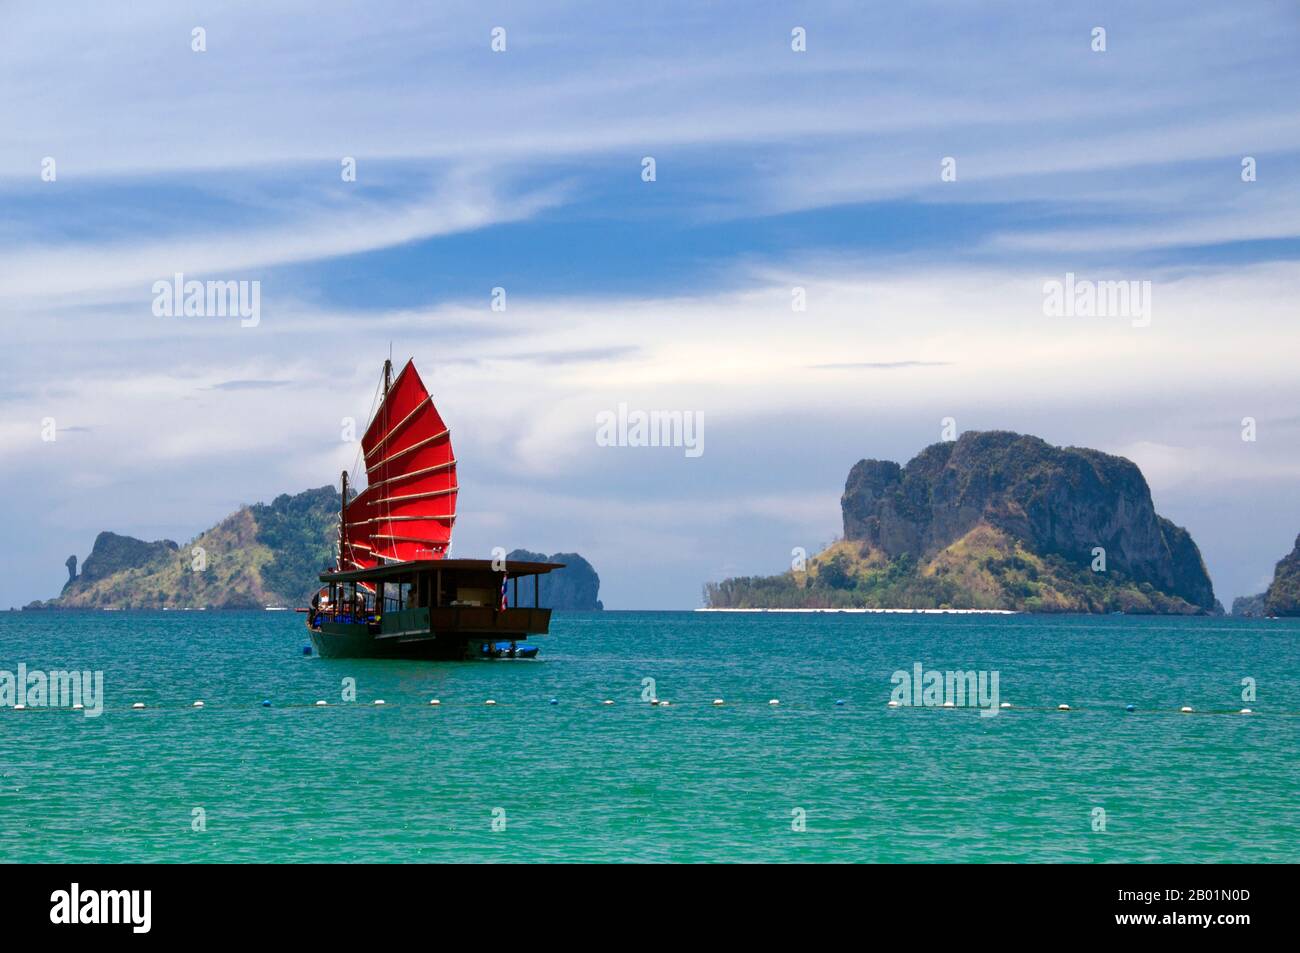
[(393, 591)]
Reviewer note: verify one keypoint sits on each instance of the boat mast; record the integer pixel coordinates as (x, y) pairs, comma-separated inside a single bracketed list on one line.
[(343, 518), (383, 404)]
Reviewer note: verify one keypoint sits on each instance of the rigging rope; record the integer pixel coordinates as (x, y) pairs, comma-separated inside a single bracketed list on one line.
[(352, 472), (374, 402)]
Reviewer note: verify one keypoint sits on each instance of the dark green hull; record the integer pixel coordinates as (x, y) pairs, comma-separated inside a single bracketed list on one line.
[(443, 633), (342, 640)]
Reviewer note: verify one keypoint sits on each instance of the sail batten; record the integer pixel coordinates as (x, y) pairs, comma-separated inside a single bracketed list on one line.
[(418, 496), (415, 473), (401, 424), (408, 506), (411, 449)]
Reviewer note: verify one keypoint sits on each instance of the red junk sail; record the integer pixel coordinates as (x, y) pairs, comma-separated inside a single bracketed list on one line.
[(408, 506)]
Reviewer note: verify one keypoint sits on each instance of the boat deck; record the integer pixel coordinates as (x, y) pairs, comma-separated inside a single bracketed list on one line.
[(431, 608)]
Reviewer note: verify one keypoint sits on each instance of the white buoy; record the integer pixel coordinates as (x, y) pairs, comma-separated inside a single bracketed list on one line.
[(321, 703), (893, 703), (1246, 711), (197, 705), (434, 702), (380, 701), (1005, 705), (138, 705), (774, 701), (1062, 707), (1186, 709), (490, 701), (717, 701)]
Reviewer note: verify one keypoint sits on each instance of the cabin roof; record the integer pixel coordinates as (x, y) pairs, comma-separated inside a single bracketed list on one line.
[(513, 569)]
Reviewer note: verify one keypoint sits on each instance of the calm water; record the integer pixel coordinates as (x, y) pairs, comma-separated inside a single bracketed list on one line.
[(581, 781)]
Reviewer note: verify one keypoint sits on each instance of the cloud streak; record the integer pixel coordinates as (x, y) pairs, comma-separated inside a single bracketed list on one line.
[(71, 271)]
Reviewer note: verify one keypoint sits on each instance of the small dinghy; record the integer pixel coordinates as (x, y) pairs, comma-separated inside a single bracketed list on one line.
[(509, 650)]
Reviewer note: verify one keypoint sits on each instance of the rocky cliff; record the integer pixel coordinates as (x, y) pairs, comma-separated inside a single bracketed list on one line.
[(1057, 501), (576, 586), (1252, 606), (112, 554), (1283, 595), (1001, 520)]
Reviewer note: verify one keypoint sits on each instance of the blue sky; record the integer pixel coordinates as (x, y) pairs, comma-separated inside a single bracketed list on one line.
[(522, 169)]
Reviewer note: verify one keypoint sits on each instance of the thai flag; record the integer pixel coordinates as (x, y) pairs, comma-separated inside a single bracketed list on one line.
[(505, 602)]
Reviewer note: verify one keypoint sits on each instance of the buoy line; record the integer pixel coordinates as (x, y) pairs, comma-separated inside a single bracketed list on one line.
[(836, 705)]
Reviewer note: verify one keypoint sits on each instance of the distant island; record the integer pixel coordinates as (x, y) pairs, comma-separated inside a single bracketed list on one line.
[(576, 586), (994, 520), (267, 554), (1282, 598)]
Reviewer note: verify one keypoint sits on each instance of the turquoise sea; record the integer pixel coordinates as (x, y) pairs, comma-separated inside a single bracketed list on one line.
[(578, 780)]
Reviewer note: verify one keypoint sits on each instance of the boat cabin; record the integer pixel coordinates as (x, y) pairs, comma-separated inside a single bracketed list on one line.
[(434, 608)]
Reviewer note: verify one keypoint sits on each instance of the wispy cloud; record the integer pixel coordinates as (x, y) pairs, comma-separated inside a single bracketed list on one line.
[(552, 358), (876, 365), (58, 274), (249, 385)]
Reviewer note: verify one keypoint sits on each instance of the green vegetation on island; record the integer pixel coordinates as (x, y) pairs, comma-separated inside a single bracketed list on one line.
[(1282, 597), (266, 554), (994, 520), (260, 555)]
